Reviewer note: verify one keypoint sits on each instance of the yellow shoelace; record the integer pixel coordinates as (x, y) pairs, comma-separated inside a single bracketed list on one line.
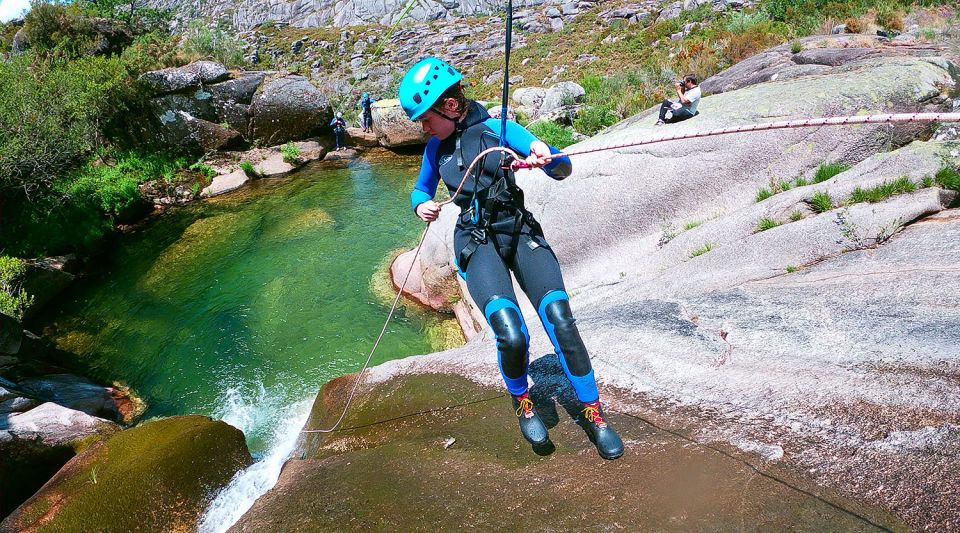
[(526, 405), (591, 413)]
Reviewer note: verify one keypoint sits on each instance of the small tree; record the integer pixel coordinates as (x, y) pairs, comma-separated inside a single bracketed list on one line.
[(13, 299)]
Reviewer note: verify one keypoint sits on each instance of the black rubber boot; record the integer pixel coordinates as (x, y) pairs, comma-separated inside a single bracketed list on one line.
[(531, 427), (604, 436)]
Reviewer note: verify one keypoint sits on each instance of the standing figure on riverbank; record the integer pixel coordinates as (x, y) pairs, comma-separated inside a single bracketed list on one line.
[(339, 128), (495, 235), (366, 108)]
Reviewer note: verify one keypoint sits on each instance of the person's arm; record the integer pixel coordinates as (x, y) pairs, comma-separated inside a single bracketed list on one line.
[(682, 95), (421, 198), (534, 150)]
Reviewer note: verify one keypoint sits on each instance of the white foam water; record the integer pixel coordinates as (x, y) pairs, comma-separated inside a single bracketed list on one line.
[(253, 416)]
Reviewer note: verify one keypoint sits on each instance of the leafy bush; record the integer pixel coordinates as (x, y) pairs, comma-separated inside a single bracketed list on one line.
[(290, 153), (52, 113), (821, 202), (883, 191), (552, 133), (13, 299), (203, 42), (152, 51), (889, 18), (741, 22), (828, 170)]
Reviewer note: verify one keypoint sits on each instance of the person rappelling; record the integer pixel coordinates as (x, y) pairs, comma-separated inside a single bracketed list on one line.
[(495, 235)]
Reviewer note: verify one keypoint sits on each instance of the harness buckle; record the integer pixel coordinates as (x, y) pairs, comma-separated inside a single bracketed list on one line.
[(479, 235)]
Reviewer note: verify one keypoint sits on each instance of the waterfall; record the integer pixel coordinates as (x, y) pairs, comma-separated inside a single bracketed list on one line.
[(255, 414)]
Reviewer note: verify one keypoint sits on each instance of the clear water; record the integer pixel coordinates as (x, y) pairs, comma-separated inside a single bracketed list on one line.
[(243, 305)]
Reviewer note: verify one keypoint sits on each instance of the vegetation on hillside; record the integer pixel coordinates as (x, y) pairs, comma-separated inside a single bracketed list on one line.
[(69, 161)]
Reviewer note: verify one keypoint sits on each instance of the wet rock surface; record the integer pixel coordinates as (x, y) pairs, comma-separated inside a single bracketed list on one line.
[(157, 476), (450, 449)]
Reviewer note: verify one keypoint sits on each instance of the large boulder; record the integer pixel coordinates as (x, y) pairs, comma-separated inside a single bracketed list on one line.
[(175, 79), (35, 443), (393, 127), (81, 394), (450, 450), (559, 97), (288, 108), (156, 477)]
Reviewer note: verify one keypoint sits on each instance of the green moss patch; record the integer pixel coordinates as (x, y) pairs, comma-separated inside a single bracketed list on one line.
[(156, 477)]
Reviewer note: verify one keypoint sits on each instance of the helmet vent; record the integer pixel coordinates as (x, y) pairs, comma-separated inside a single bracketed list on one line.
[(416, 98)]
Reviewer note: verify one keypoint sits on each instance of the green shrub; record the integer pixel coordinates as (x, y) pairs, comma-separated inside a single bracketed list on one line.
[(152, 51), (796, 216), (701, 250), (741, 22), (13, 299), (766, 223), (791, 269), (51, 119), (821, 202), (552, 133), (801, 182), (203, 42), (796, 47), (204, 169), (883, 191), (927, 181), (828, 170), (290, 153), (195, 188)]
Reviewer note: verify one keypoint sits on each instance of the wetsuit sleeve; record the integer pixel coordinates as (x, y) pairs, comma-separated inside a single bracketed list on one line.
[(429, 176), (520, 139)]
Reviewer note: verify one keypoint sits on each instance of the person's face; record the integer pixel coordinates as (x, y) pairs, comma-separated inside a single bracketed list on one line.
[(437, 125), (688, 84)]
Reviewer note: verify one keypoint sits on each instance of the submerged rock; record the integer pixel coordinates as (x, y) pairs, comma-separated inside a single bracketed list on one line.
[(157, 476)]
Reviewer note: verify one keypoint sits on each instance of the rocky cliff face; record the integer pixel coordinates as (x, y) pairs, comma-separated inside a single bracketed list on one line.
[(246, 14)]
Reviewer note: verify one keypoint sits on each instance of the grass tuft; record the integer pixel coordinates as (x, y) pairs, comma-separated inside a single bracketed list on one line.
[(701, 250), (883, 191), (948, 178), (763, 194), (796, 216), (828, 170), (821, 202), (791, 269), (766, 223), (690, 225)]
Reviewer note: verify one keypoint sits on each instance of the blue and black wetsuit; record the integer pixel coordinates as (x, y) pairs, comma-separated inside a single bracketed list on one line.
[(366, 107), (495, 235)]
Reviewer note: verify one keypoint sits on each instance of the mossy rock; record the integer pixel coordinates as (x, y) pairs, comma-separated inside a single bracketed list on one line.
[(433, 451), (159, 476)]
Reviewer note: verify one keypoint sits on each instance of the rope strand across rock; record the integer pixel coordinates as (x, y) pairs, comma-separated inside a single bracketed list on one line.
[(889, 118)]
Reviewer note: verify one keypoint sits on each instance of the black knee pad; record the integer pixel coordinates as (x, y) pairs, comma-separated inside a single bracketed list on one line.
[(575, 355), (508, 327)]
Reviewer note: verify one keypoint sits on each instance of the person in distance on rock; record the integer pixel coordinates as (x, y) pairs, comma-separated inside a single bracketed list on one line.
[(496, 234), (366, 107), (688, 97), (339, 128)]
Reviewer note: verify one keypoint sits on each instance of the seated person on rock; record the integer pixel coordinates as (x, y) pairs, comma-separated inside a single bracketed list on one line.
[(688, 93)]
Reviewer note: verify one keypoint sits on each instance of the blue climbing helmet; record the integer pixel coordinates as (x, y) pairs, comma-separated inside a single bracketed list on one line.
[(423, 84), (366, 95)]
